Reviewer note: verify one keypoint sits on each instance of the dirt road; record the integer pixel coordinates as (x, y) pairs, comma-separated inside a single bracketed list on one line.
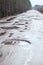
[(27, 26)]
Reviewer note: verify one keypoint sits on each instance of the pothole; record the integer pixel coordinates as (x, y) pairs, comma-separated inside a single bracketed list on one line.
[(13, 41), (2, 32), (10, 34), (9, 19), (10, 27)]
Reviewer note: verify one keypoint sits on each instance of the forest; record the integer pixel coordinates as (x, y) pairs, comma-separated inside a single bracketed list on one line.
[(12, 7)]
